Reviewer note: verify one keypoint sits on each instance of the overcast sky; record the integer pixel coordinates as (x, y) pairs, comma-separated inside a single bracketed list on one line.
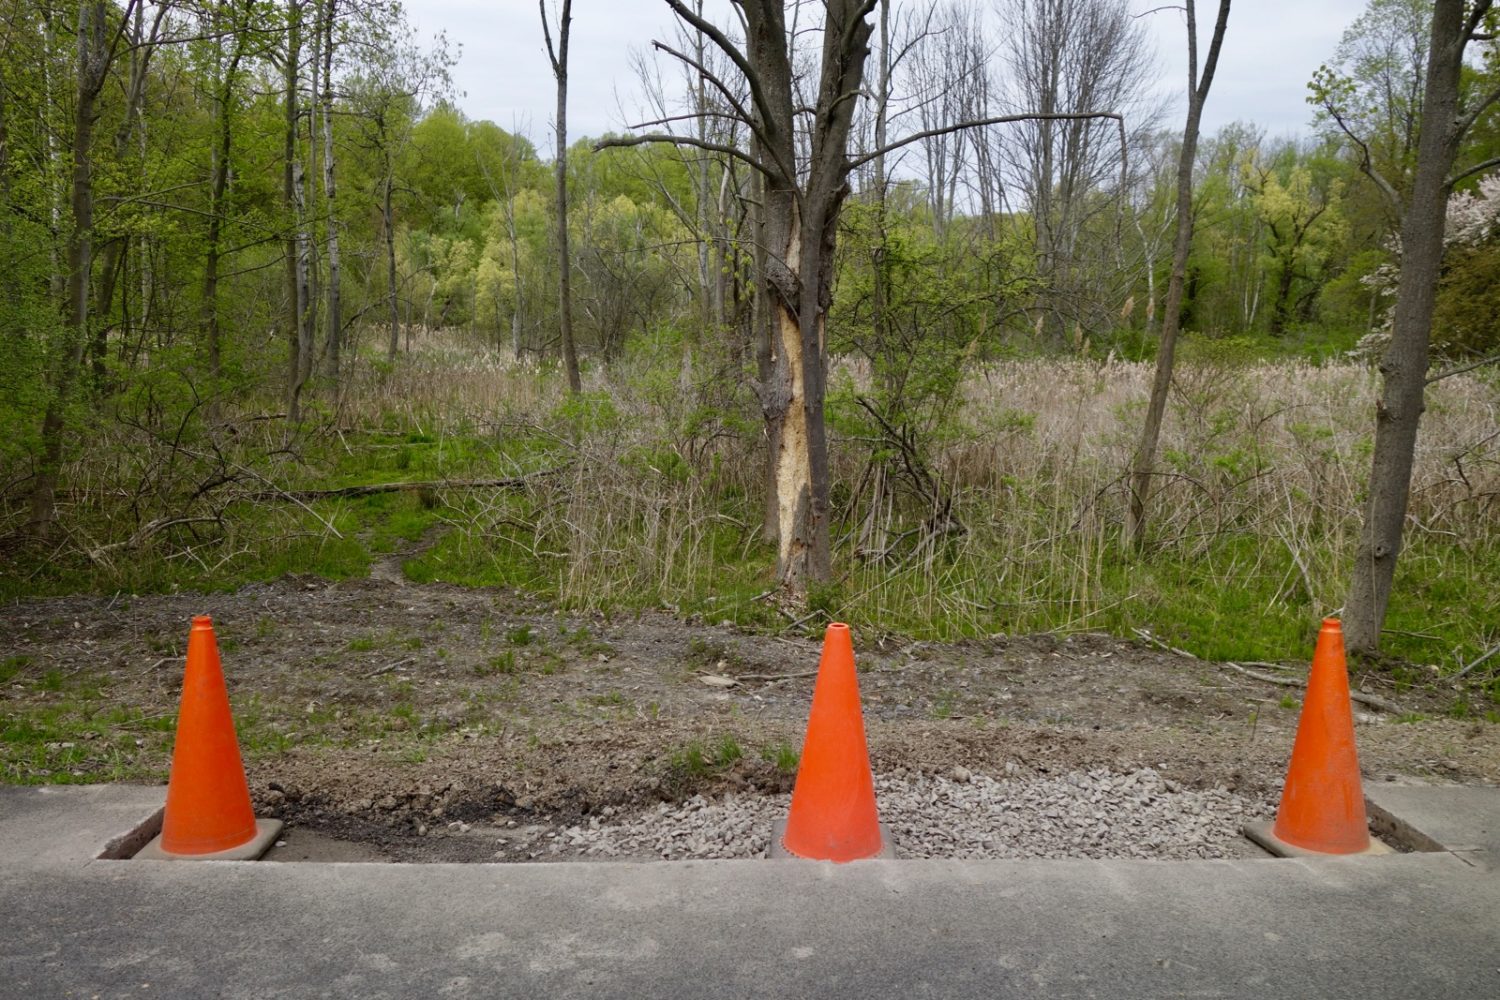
[(1270, 52)]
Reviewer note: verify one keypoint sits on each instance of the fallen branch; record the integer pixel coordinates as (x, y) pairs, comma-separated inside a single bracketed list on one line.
[(1372, 700), (144, 532), (775, 677), (514, 482), (389, 667), (1485, 656)]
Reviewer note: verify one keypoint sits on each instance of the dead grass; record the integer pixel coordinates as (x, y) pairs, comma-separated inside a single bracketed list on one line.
[(652, 495)]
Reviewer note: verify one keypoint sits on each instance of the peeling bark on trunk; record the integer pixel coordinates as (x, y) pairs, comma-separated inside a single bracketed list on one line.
[(800, 231)]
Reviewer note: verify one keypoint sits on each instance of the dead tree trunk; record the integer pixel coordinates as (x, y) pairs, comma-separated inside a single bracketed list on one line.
[(1145, 452), (559, 57), (800, 150)]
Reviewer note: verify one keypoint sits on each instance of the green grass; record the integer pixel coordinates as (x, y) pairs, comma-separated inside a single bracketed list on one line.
[(82, 738), (11, 667), (727, 751), (652, 529), (783, 755), (504, 663)]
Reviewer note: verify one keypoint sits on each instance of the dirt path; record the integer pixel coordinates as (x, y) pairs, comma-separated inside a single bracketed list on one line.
[(417, 718)]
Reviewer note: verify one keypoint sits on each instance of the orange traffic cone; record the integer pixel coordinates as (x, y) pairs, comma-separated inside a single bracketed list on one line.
[(833, 815), (208, 813), (1322, 803)]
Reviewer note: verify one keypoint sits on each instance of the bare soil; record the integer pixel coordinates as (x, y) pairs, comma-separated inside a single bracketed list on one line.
[(440, 723)]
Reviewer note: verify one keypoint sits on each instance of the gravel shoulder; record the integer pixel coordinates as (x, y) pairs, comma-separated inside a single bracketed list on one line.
[(440, 723)]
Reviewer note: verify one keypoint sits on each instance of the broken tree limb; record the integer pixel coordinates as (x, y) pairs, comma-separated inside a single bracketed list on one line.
[(1372, 700), (371, 489), (1489, 653)]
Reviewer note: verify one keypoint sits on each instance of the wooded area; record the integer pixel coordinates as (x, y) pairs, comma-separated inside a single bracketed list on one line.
[(929, 310)]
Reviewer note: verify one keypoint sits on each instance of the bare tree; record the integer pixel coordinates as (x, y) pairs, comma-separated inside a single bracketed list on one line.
[(800, 148), (1445, 119), (946, 80), (1145, 452), (1068, 56), (559, 57)]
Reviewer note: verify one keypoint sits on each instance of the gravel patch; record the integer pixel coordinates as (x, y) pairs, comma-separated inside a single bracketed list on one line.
[(1098, 814)]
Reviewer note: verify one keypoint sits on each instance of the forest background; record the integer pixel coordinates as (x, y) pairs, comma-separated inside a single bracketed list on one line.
[(272, 304)]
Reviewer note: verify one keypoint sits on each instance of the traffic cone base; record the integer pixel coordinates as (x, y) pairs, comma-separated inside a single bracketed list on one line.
[(833, 815), (778, 851), (1322, 809), (208, 812), (1264, 834), (266, 832)]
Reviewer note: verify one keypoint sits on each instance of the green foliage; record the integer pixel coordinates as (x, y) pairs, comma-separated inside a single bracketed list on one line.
[(1466, 321)]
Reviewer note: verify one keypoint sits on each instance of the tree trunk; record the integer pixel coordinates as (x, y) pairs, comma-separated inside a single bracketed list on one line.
[(218, 187), (1145, 454), (879, 321), (330, 195), (770, 383), (560, 166), (1281, 310), (515, 269), (388, 222), (800, 233), (93, 67), (1404, 366), (290, 182)]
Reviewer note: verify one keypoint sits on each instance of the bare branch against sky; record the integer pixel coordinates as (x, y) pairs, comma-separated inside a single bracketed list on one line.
[(503, 73)]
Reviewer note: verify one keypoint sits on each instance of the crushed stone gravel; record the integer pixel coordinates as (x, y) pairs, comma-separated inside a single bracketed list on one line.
[(1094, 814)]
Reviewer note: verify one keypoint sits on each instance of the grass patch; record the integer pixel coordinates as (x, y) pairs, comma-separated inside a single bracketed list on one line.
[(783, 756), (11, 667)]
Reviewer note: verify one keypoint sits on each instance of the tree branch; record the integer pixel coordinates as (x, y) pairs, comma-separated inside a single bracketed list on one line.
[(979, 122), (1468, 120), (686, 140), (547, 34), (707, 27), (1366, 164), (1450, 372), (1477, 168), (1212, 62), (1471, 27), (739, 109)]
